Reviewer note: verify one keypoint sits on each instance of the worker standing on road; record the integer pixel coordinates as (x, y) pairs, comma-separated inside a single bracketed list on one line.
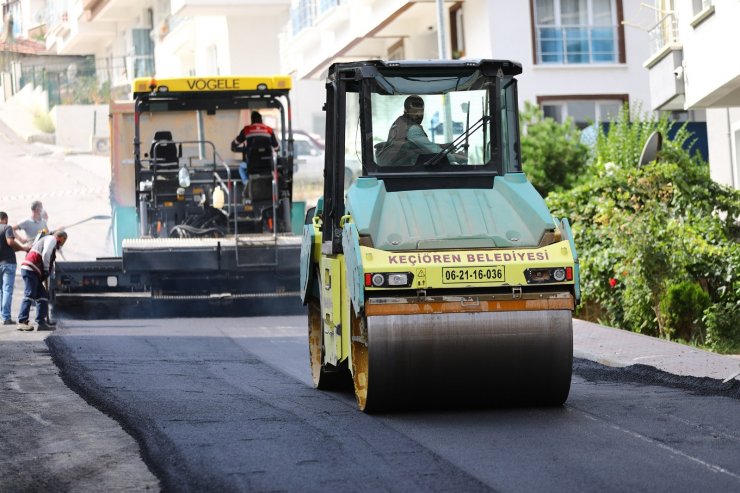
[(247, 136), (35, 224), (35, 270), (8, 247)]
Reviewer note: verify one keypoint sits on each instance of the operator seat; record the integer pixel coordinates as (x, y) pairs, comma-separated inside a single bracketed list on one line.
[(164, 167), (259, 169), (259, 155), (166, 150)]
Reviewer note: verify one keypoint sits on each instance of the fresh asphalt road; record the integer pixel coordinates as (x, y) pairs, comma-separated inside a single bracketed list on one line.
[(227, 405)]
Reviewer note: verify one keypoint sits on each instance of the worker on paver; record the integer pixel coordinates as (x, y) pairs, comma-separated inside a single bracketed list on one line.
[(35, 270), (35, 224), (8, 247), (255, 141)]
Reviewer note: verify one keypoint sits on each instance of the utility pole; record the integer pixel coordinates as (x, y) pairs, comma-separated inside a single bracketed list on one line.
[(442, 46), (441, 35)]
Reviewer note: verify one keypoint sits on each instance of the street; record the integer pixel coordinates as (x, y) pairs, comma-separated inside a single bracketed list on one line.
[(226, 404)]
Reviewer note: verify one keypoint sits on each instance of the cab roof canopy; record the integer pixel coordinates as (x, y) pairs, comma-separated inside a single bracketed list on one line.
[(209, 93), (370, 68)]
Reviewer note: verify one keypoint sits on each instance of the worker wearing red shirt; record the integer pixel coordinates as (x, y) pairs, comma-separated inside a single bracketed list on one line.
[(242, 141)]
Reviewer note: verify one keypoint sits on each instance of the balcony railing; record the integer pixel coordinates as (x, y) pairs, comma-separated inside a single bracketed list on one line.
[(664, 32), (575, 44), (307, 11)]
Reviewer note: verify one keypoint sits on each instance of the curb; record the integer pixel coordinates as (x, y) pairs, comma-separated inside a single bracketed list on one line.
[(620, 348)]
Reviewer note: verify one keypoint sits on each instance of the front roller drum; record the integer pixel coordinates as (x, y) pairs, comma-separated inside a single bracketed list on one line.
[(488, 358)]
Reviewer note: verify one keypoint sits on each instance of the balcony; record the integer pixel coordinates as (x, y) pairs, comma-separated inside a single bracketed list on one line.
[(70, 34), (322, 32), (195, 8), (665, 65), (112, 10), (308, 12)]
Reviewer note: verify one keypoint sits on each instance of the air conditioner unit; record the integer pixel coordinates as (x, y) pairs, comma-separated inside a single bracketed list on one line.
[(99, 145)]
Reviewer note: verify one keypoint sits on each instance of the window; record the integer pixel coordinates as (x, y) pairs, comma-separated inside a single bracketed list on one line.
[(14, 9), (702, 9), (457, 35), (700, 6), (301, 15), (576, 31), (143, 52), (584, 112), (445, 119)]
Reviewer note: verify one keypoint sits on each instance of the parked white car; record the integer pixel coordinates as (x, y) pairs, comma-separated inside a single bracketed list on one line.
[(308, 162)]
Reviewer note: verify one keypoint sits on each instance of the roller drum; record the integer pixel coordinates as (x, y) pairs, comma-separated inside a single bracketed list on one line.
[(514, 357)]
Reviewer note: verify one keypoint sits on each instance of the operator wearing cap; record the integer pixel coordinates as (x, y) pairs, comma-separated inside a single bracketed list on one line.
[(407, 139)]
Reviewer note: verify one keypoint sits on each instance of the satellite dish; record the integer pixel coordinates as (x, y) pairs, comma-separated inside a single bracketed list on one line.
[(651, 148)]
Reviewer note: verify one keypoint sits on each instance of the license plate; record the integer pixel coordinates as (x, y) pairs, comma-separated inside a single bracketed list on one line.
[(491, 273)]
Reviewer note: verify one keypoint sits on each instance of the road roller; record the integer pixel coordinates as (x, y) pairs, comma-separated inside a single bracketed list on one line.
[(438, 275)]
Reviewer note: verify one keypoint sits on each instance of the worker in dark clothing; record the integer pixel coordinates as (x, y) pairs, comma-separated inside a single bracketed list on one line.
[(406, 137), (35, 270), (254, 134), (407, 140), (8, 247)]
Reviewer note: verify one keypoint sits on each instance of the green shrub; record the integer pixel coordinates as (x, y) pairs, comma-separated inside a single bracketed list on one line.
[(42, 121), (723, 323), (552, 153), (640, 230), (681, 310)]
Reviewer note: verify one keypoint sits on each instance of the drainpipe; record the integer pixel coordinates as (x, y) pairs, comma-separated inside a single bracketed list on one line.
[(441, 35), (733, 162)]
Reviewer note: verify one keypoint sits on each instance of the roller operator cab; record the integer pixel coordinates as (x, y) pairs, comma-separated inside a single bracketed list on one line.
[(439, 274), (195, 231)]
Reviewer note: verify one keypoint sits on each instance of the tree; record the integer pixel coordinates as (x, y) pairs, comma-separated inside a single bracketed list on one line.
[(552, 153)]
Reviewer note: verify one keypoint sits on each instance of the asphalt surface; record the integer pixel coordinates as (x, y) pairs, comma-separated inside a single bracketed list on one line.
[(50, 438), (226, 404)]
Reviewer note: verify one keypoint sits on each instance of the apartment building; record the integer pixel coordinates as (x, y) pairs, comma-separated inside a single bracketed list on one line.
[(693, 66), (172, 38), (578, 58), (169, 37)]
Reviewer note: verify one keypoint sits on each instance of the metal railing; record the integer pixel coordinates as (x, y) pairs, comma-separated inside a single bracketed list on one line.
[(78, 80), (305, 13), (664, 32)]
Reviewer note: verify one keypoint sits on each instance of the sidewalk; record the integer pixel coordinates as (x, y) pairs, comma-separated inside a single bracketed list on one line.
[(619, 348)]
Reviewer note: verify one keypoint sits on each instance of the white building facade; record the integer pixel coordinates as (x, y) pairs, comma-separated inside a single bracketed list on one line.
[(694, 66), (578, 59), (173, 38)]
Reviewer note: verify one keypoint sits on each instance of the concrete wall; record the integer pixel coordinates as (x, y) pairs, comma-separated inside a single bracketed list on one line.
[(77, 124), (20, 110), (712, 64), (307, 99), (723, 131)]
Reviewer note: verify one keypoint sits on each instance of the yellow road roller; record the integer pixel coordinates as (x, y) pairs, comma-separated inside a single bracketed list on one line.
[(438, 275)]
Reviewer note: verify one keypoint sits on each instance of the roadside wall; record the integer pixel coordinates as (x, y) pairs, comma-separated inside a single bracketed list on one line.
[(82, 127)]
